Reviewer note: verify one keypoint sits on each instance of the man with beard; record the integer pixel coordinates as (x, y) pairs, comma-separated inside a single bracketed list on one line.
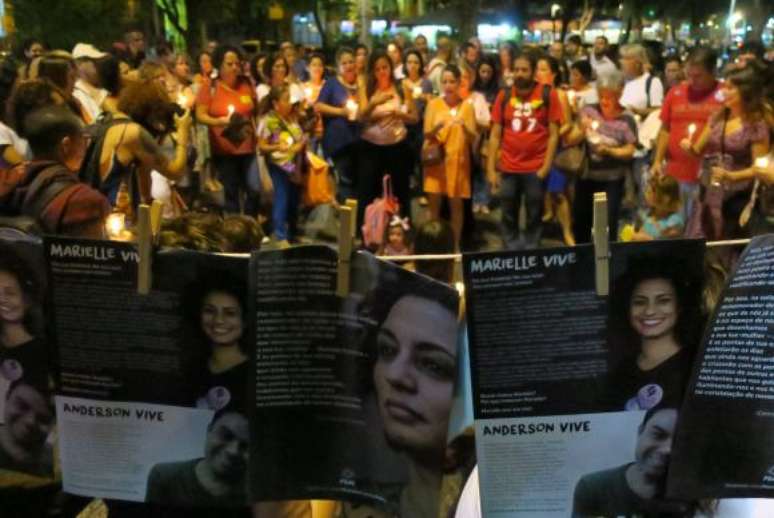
[(523, 141), (636, 488), (600, 60), (219, 479)]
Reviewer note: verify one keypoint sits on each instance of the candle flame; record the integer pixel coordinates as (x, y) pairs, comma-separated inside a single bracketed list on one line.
[(115, 223)]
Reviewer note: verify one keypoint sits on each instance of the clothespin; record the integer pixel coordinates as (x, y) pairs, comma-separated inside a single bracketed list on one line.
[(601, 244), (155, 218), (347, 226), (145, 249)]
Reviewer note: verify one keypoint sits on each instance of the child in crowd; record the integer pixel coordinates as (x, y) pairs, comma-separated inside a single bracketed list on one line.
[(663, 219), (397, 237)]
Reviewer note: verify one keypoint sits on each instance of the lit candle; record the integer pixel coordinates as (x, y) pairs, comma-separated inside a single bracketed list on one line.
[(182, 100), (114, 224), (595, 125), (417, 92), (289, 140), (352, 108), (762, 162), (308, 93), (453, 112), (571, 96), (230, 110), (691, 130)]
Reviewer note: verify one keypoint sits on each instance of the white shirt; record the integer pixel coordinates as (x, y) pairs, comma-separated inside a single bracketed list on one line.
[(469, 505), (90, 98), (635, 95), (601, 66), (8, 137)]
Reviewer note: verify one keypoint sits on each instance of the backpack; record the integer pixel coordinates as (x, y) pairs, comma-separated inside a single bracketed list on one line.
[(89, 173), (648, 83), (45, 197), (507, 91), (378, 215)]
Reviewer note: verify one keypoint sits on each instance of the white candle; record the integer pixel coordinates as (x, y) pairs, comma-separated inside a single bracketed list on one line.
[(595, 125), (308, 93), (289, 140), (230, 110), (352, 108), (691, 130), (115, 223), (182, 100), (571, 96), (453, 112), (417, 92), (762, 162)]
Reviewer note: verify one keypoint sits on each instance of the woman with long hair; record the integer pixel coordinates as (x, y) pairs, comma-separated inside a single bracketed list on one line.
[(338, 105), (506, 53), (228, 107), (421, 90), (655, 326), (386, 109), (450, 123), (58, 68), (276, 72), (731, 142)]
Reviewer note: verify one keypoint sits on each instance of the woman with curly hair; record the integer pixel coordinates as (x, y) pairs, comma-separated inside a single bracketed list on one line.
[(655, 326), (128, 150)]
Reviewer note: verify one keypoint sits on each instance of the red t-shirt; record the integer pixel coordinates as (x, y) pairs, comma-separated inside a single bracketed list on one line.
[(681, 108), (243, 99), (525, 129)]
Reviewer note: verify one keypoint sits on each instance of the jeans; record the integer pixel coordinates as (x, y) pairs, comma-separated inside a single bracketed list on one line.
[(689, 193), (345, 168), (512, 187), (583, 207), (284, 212), (233, 171)]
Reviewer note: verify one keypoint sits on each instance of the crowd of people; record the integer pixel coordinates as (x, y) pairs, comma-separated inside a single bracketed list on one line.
[(521, 138)]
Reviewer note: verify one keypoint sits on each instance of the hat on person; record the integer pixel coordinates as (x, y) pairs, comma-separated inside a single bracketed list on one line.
[(87, 50)]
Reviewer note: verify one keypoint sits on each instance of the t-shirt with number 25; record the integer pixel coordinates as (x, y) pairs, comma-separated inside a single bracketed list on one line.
[(525, 129)]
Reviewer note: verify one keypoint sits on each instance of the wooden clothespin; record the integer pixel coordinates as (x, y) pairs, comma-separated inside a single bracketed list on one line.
[(145, 249), (347, 227), (601, 244)]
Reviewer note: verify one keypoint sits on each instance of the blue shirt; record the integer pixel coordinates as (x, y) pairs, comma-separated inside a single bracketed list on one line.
[(338, 132)]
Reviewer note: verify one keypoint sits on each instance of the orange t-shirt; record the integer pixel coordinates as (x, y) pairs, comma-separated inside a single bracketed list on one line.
[(217, 99), (525, 129)]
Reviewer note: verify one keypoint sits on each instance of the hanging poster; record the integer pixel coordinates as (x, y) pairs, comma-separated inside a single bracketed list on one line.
[(576, 396), (725, 445)]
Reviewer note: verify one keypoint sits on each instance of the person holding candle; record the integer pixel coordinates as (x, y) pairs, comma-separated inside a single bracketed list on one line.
[(582, 91), (686, 109), (386, 109), (282, 141), (277, 72), (312, 90), (731, 142), (610, 133), (451, 124), (337, 103), (227, 107), (421, 91)]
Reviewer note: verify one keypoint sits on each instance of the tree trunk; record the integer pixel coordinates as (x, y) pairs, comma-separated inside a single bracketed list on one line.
[(320, 25)]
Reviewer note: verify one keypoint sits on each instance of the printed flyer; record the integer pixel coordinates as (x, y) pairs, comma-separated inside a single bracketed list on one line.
[(353, 394), (27, 419), (152, 389), (576, 396), (725, 446)]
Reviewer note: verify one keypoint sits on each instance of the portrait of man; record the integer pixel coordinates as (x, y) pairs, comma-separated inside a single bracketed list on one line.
[(218, 479), (636, 487), (28, 421)]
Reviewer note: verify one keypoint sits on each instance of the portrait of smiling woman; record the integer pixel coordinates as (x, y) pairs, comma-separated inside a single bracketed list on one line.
[(219, 362), (654, 327), (414, 350)]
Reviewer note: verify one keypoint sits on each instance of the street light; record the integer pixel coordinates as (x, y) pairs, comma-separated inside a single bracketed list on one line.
[(734, 19)]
